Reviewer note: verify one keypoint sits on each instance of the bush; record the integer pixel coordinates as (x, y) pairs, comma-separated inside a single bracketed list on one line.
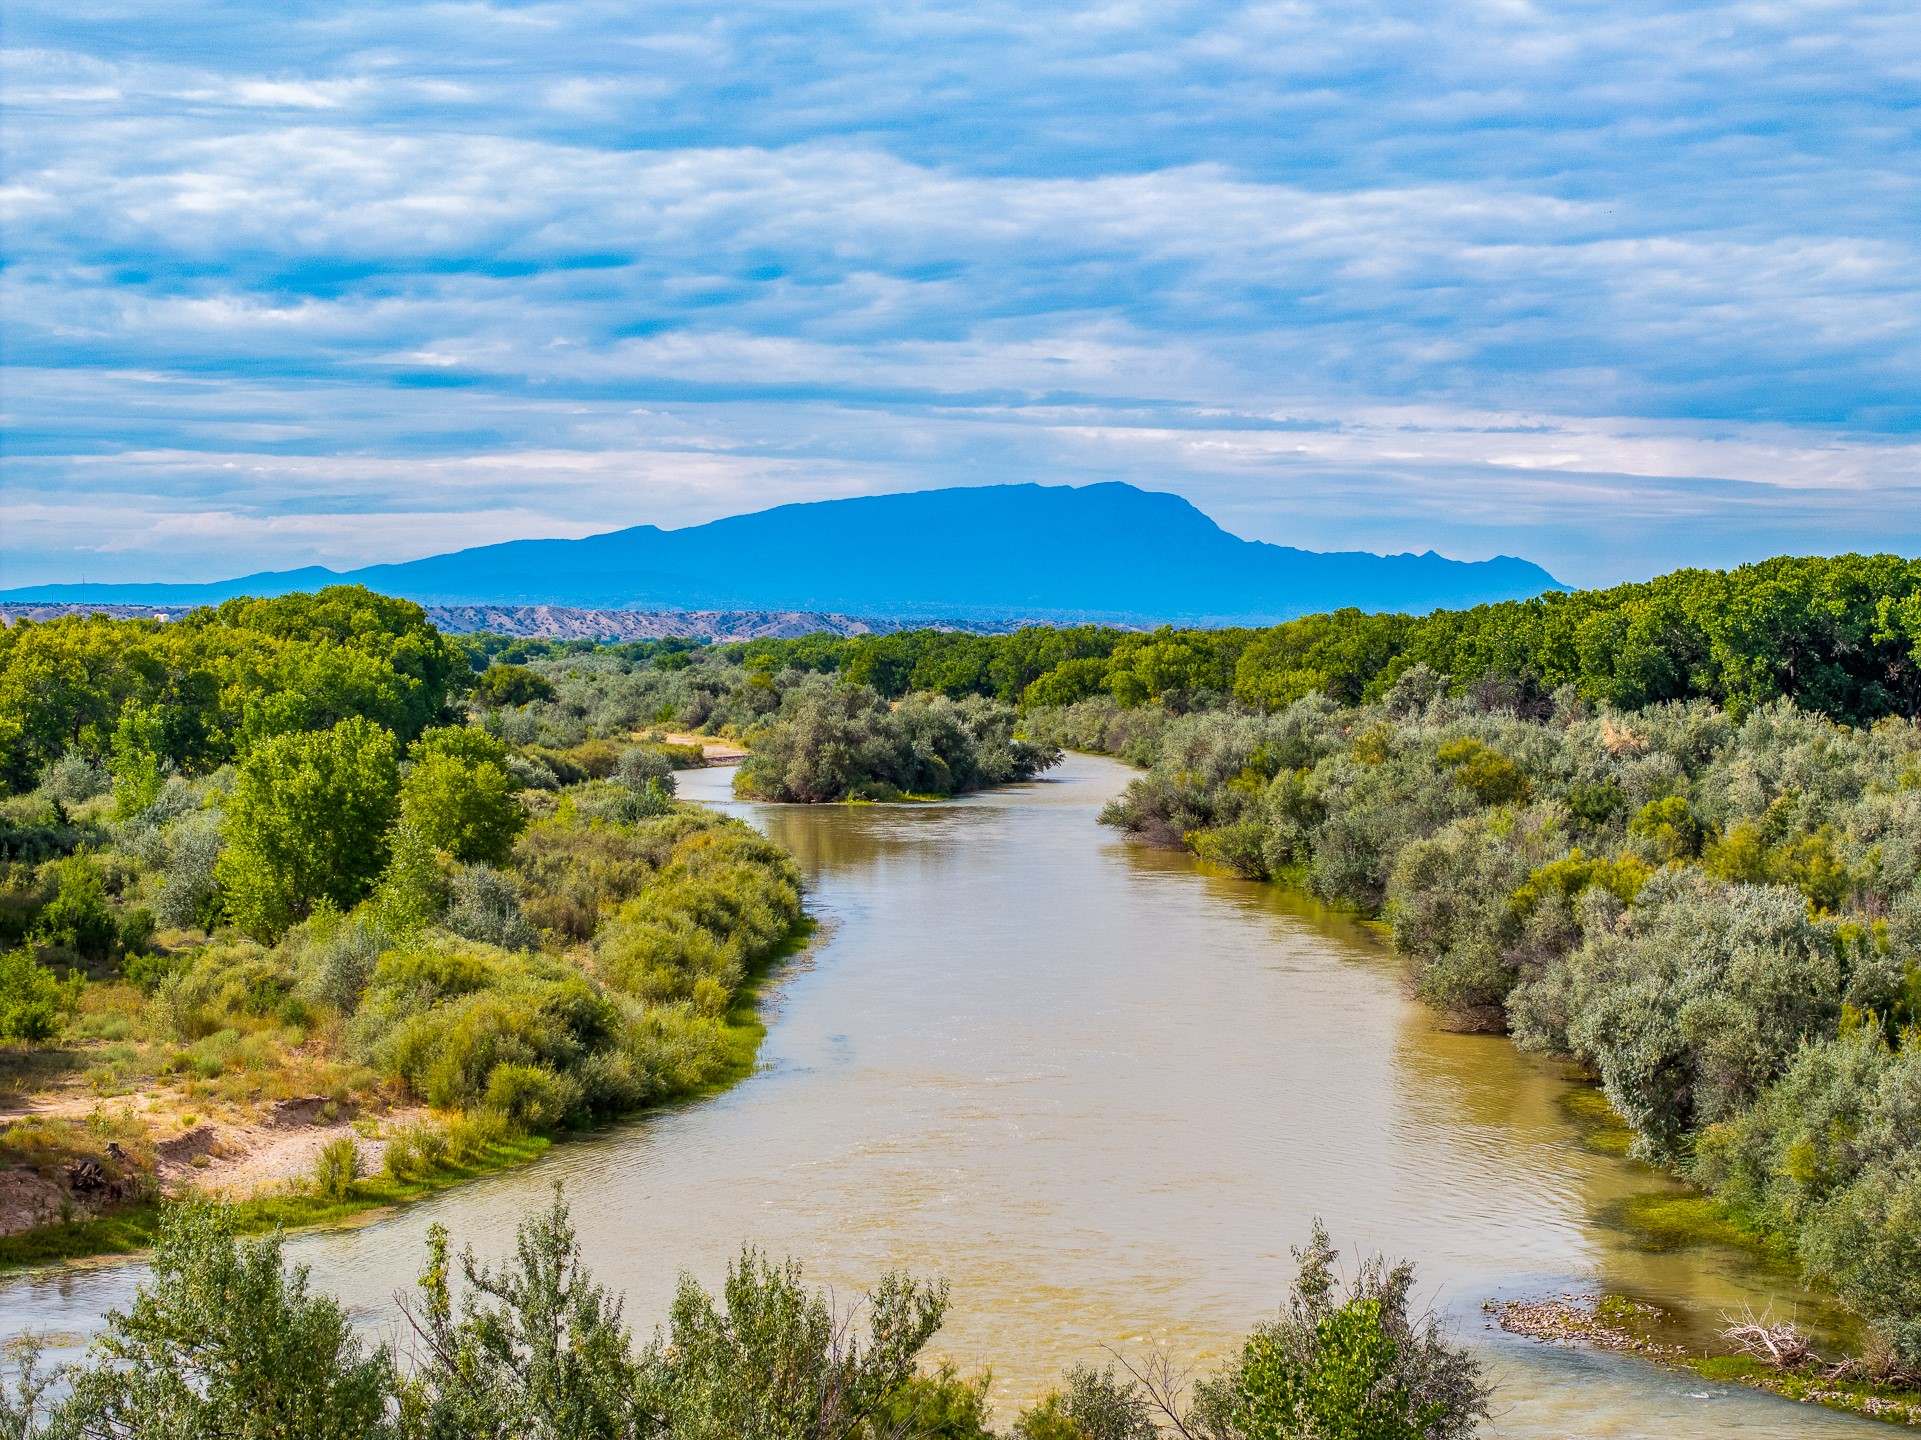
[(79, 917), (485, 906), (416, 1151), (74, 778), (1093, 1406), (1348, 1360), (32, 1001), (530, 1097), (336, 1168), (223, 1339), (189, 893)]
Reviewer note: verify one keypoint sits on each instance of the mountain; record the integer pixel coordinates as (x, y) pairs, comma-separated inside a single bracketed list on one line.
[(987, 553)]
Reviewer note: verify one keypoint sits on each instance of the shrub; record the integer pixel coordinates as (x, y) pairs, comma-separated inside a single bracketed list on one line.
[(74, 778), (336, 1168), (1093, 1405), (485, 906), (415, 1151), (530, 1097), (79, 917), (1349, 1361), (223, 1339), (32, 1001), (189, 892)]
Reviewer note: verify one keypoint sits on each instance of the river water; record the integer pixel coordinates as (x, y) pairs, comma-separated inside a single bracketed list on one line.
[(1102, 1092)]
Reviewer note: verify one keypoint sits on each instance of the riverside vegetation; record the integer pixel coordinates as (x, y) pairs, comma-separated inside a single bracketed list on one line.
[(1668, 830), (265, 877), (227, 1341), (1671, 830)]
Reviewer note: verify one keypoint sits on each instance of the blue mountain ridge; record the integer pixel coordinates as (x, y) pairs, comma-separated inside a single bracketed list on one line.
[(1106, 551)]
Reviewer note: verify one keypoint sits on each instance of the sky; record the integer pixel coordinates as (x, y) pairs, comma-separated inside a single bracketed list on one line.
[(1613, 286)]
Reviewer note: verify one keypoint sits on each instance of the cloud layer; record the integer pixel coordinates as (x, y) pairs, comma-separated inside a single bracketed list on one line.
[(1613, 286)]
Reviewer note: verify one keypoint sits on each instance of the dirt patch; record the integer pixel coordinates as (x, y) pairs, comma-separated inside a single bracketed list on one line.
[(29, 1200), (305, 1110), (719, 752)]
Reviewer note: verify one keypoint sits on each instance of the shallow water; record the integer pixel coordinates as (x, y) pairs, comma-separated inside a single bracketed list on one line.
[(1103, 1093)]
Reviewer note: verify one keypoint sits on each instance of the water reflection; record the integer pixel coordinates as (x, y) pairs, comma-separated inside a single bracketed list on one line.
[(1103, 1094)]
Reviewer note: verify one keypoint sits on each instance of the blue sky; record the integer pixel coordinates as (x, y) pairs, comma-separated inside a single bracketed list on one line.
[(1613, 286)]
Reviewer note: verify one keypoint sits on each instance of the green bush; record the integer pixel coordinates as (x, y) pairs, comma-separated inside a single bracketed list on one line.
[(79, 917), (1348, 1361), (32, 1001), (336, 1168)]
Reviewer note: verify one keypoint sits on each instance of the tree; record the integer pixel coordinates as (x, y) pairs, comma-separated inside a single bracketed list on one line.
[(459, 795), (226, 1343), (511, 685), (778, 1363), (307, 820), (535, 1351), (1348, 1366)]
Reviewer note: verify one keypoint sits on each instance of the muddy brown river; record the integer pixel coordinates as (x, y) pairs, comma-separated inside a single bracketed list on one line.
[(1102, 1092)]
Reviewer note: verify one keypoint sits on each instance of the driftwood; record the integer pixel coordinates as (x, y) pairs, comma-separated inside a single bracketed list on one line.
[(86, 1177), (1781, 1345)]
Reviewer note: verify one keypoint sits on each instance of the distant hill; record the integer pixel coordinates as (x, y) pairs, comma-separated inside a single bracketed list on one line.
[(986, 554), (549, 622)]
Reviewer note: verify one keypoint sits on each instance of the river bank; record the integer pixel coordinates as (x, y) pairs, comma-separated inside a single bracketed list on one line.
[(1102, 1092)]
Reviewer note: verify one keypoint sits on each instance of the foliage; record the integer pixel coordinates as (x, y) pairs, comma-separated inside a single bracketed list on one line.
[(307, 821), (534, 1351), (225, 1341), (459, 796), (193, 694), (778, 1363), (835, 742), (1349, 1363), (32, 1000), (1093, 1405), (511, 685), (78, 917), (336, 1167)]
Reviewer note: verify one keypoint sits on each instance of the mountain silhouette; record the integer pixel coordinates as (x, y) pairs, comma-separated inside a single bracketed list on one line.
[(994, 553)]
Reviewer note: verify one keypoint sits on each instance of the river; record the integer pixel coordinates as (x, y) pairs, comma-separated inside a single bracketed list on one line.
[(1102, 1092)]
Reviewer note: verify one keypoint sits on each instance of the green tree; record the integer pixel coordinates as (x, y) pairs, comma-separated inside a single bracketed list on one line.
[(1349, 1366), (460, 797), (307, 820), (534, 1351), (226, 1343), (138, 768), (778, 1364), (511, 685), (78, 918)]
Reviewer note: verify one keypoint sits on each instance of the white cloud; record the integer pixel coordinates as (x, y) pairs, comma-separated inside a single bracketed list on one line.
[(1532, 277)]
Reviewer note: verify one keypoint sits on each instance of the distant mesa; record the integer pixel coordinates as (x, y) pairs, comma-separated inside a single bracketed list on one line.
[(985, 556)]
